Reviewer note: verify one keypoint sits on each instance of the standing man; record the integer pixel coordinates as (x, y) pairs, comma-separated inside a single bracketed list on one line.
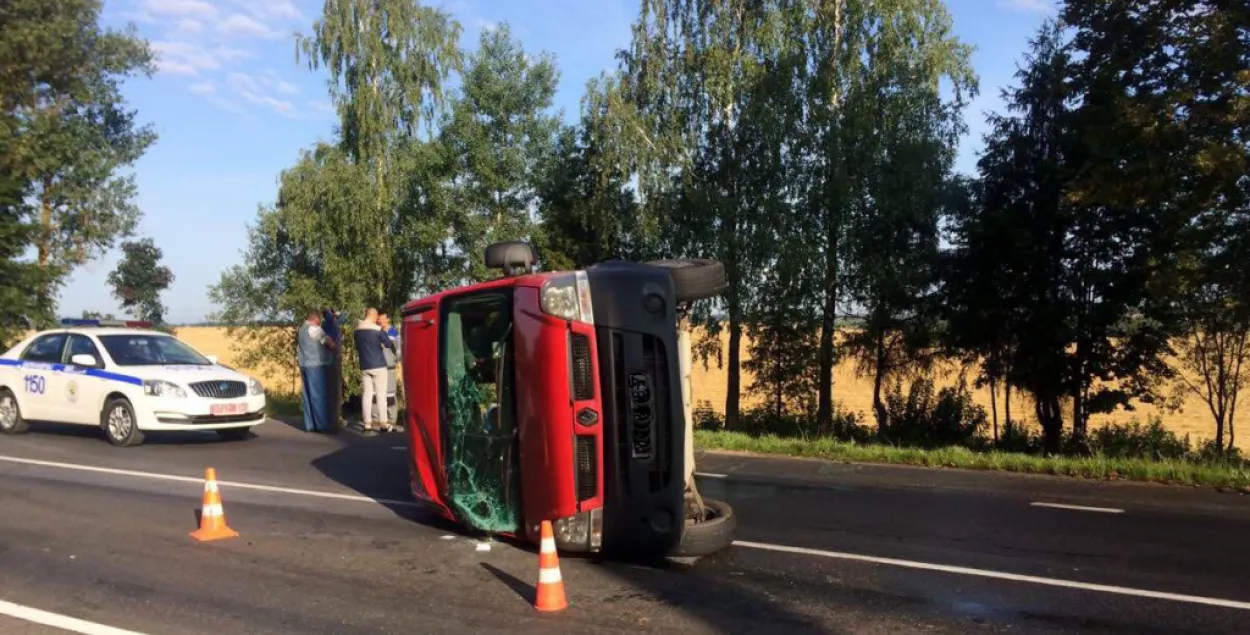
[(370, 342), (313, 350), (392, 360)]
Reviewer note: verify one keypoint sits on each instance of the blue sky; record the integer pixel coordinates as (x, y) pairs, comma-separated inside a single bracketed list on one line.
[(233, 108)]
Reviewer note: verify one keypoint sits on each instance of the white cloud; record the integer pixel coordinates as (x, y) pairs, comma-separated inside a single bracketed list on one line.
[(183, 58), (257, 90), (241, 25), (1031, 6), (275, 9), (179, 8), (203, 88), (187, 25)]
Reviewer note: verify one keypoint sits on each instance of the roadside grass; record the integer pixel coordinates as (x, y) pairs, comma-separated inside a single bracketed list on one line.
[(1218, 474)]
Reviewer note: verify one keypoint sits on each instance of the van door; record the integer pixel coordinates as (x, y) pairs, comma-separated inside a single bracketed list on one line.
[(476, 410)]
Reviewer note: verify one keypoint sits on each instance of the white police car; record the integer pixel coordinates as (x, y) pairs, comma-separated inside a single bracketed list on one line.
[(125, 379)]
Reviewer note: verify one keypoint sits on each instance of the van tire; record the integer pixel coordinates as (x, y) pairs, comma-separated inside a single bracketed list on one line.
[(19, 424), (710, 536), (694, 279)]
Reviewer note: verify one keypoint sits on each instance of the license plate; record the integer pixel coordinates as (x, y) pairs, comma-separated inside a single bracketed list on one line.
[(219, 409)]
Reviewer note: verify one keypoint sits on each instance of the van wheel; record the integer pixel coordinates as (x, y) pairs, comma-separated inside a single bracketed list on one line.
[(11, 421), (695, 279), (119, 423), (234, 434), (715, 532)]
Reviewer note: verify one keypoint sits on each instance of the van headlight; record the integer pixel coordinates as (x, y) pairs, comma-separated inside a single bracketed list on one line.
[(568, 297), (254, 388), (162, 388), (580, 532)]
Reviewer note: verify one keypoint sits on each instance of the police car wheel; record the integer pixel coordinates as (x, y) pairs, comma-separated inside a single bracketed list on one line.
[(120, 425), (11, 421)]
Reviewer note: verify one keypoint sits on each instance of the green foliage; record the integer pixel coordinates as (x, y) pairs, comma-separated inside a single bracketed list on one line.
[(1134, 440), (497, 140), (70, 133), (19, 308), (139, 280), (922, 418)]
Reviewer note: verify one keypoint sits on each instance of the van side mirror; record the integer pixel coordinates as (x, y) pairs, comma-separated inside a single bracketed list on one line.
[(212, 359), (85, 360)]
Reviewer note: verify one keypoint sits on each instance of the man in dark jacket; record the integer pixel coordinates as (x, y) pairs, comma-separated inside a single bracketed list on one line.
[(370, 342)]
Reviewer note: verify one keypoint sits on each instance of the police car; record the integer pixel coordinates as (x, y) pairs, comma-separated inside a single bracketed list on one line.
[(126, 379)]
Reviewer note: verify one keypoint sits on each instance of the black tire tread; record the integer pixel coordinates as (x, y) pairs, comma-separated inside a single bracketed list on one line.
[(22, 426), (707, 538), (695, 279), (136, 435)]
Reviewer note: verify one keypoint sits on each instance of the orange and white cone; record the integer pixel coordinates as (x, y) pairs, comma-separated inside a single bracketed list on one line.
[(213, 516), (550, 585)]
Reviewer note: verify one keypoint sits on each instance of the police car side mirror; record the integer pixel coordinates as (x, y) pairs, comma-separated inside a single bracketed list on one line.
[(212, 359), (84, 360)]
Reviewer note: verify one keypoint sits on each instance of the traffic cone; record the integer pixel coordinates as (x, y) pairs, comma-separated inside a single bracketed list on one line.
[(213, 517), (550, 584)]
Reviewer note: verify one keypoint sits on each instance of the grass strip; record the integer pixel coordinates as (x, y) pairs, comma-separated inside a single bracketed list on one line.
[(1172, 472)]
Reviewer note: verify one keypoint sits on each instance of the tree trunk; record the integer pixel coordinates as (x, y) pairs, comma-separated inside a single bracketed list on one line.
[(45, 231), (878, 380), (994, 406), (777, 372), (733, 387), (1050, 415), (1006, 402)]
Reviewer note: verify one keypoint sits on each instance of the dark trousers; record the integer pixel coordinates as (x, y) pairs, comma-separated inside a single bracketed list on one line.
[(316, 404)]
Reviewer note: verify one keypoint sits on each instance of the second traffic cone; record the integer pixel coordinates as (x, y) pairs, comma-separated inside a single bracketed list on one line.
[(212, 517), (550, 585)]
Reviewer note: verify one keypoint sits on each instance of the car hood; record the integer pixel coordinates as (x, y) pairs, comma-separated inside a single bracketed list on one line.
[(183, 374)]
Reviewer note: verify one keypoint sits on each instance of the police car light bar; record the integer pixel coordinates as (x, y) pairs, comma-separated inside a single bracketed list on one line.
[(133, 324)]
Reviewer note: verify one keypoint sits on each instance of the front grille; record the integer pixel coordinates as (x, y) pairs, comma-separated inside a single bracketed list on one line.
[(642, 405), (220, 389), (587, 484), (583, 372)]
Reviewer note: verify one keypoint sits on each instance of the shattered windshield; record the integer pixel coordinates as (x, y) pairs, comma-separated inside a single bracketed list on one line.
[(478, 427)]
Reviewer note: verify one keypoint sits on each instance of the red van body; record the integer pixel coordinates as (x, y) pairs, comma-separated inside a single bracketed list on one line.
[(587, 429)]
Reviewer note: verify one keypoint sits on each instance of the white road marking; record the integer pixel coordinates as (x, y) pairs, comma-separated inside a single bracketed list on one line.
[(200, 481), (908, 564), (1080, 508), (998, 575), (711, 475), (63, 622)]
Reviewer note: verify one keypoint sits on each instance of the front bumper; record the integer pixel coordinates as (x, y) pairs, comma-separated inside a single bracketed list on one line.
[(193, 413)]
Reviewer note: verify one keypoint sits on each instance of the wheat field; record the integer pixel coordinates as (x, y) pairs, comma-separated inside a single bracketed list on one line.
[(853, 391)]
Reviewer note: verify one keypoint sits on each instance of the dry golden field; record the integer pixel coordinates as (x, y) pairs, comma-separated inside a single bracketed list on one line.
[(854, 392)]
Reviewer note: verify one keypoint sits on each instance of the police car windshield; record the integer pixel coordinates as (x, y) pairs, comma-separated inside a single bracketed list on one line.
[(150, 350)]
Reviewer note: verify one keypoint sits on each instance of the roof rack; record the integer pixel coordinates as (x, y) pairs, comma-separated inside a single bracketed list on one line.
[(133, 324)]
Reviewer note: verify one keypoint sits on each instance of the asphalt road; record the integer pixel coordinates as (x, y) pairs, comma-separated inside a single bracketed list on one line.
[(111, 547)]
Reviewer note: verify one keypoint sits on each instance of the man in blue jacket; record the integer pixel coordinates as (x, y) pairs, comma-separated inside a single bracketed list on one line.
[(370, 342)]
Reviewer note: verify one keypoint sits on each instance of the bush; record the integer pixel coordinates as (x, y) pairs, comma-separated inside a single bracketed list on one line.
[(920, 419), (705, 418), (1135, 441)]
